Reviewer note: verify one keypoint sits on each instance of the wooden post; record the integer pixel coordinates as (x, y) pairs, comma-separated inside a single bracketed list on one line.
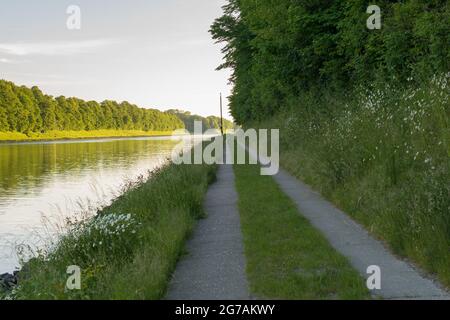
[(221, 114)]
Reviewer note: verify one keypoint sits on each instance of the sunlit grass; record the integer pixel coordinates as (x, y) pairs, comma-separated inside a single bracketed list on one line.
[(62, 135), (286, 257), (130, 249)]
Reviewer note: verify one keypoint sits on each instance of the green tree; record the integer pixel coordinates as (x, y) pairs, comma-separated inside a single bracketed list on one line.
[(10, 104), (4, 126), (29, 110), (47, 107)]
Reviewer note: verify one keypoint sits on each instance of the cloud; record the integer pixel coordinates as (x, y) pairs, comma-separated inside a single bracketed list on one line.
[(48, 80), (4, 60), (54, 48), (194, 42), (10, 61), (58, 83)]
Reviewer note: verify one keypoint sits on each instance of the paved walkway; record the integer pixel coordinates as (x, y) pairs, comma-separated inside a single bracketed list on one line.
[(399, 279), (214, 268)]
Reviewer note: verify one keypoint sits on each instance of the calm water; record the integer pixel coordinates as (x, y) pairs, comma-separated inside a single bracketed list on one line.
[(47, 181)]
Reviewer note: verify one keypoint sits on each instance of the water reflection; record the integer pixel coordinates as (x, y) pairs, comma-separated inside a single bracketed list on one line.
[(53, 178)]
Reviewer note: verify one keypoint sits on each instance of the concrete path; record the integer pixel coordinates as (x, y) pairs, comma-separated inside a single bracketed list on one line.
[(214, 268), (399, 279)]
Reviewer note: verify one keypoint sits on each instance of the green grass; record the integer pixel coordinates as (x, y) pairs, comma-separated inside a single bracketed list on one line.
[(67, 135), (383, 157), (125, 257), (286, 257)]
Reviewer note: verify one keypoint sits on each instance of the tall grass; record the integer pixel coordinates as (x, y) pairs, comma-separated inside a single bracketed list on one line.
[(128, 250), (382, 154)]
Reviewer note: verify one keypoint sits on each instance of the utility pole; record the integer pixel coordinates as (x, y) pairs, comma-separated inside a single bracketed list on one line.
[(221, 114)]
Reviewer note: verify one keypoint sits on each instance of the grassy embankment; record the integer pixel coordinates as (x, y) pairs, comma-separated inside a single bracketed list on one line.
[(129, 250), (286, 257), (68, 135), (382, 156)]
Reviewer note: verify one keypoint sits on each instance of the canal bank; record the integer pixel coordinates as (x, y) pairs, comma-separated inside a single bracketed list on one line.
[(16, 137), (44, 183), (129, 250)]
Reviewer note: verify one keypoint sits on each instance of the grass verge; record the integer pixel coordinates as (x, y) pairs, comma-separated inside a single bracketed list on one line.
[(383, 157), (68, 135), (129, 250), (286, 257)]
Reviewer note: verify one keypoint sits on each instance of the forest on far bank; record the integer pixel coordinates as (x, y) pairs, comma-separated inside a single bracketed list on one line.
[(211, 122), (29, 110)]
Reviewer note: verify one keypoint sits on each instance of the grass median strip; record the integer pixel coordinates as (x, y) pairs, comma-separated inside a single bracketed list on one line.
[(286, 257)]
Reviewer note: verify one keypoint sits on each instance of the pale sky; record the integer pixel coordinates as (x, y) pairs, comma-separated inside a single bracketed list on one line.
[(154, 53)]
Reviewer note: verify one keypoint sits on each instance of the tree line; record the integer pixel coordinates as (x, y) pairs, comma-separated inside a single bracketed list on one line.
[(28, 110), (282, 48), (211, 122)]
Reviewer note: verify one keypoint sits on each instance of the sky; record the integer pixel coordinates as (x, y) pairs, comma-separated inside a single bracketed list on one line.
[(153, 53)]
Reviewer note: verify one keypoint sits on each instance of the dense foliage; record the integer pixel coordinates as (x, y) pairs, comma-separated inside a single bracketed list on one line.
[(211, 122), (281, 48), (28, 110), (364, 114)]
